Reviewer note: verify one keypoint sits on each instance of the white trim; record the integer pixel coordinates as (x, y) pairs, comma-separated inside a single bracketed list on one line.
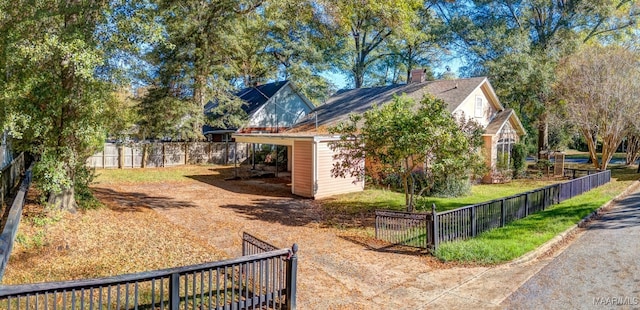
[(314, 163), (489, 95), (293, 168)]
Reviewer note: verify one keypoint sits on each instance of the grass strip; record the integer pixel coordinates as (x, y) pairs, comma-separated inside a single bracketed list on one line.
[(377, 198), (521, 236)]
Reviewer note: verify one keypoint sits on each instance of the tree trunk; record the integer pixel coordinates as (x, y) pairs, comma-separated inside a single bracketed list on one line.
[(64, 201), (405, 185), (543, 135), (633, 149), (592, 145)]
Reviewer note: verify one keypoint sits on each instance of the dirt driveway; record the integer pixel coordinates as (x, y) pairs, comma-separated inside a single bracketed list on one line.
[(335, 270)]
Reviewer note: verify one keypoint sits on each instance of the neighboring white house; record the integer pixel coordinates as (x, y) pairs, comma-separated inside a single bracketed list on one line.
[(272, 107)]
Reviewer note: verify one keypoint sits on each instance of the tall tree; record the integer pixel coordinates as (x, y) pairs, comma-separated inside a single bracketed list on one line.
[(364, 27), (601, 87), (54, 104), (518, 44), (192, 64)]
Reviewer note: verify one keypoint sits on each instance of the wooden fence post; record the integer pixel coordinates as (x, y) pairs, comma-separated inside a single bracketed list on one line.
[(164, 159), (120, 157), (526, 204), (436, 237), (186, 153)]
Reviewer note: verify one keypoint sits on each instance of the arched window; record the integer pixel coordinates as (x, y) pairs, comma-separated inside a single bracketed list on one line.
[(507, 137)]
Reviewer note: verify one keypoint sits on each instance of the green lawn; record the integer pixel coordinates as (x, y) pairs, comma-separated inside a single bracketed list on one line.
[(152, 175), (372, 199), (521, 236)]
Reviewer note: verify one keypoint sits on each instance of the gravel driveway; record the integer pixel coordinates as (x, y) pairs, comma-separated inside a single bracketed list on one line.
[(601, 270), (336, 269)]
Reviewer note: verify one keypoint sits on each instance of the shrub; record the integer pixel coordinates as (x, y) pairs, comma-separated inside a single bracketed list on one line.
[(443, 186), (518, 159), (450, 187)]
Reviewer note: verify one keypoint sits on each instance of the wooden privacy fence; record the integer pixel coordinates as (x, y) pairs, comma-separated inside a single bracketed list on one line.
[(427, 230), (264, 280), (10, 177), (167, 154)]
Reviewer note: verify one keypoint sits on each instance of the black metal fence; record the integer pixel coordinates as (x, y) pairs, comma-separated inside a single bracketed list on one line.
[(252, 245), (10, 227), (406, 228), (264, 280), (10, 176), (573, 173), (426, 230)]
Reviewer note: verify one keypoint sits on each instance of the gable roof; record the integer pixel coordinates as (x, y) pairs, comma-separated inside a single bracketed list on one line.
[(500, 119), (257, 96), (359, 100), (254, 98)]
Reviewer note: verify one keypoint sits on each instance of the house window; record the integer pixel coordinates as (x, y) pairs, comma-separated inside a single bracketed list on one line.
[(507, 137), (479, 107)]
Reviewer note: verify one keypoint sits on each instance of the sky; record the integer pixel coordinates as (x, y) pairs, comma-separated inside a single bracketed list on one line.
[(342, 81)]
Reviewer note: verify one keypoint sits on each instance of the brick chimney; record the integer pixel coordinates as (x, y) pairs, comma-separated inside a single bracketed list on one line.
[(418, 75)]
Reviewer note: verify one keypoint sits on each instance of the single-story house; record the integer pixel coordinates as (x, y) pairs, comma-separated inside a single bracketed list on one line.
[(309, 141), (272, 107)]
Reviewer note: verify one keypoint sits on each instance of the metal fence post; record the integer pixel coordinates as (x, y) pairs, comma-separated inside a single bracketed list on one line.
[(174, 291), (436, 233), (473, 221), (292, 274), (376, 226), (526, 204), (502, 213)]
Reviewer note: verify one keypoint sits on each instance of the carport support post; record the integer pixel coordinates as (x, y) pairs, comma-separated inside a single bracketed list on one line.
[(253, 155), (235, 158)]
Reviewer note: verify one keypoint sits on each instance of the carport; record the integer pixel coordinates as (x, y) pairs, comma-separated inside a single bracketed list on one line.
[(311, 159)]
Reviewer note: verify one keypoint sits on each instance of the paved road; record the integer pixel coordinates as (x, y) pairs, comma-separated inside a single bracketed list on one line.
[(600, 270)]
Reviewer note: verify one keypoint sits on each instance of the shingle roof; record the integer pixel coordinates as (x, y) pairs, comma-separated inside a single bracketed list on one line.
[(497, 122), (256, 96), (344, 102)]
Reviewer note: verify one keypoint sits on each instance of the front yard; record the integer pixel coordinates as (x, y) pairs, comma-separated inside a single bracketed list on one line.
[(158, 218)]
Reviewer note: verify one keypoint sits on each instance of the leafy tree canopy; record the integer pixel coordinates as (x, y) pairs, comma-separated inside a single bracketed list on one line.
[(402, 136)]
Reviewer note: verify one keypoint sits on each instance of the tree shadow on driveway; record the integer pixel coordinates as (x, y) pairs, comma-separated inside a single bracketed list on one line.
[(290, 212), (270, 187), (300, 212), (626, 214), (133, 202)]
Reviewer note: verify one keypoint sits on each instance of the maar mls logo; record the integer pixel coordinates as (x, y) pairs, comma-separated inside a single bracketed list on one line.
[(616, 301)]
